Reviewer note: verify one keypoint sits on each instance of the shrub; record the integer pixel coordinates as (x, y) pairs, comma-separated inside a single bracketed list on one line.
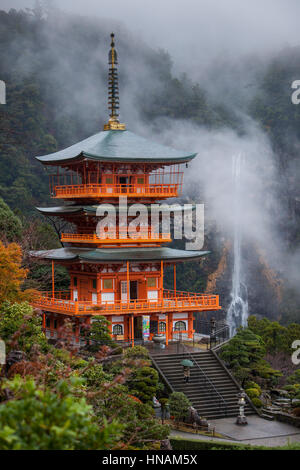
[(20, 321), (39, 419), (289, 388), (138, 352), (95, 376), (257, 402), (252, 392), (294, 378), (179, 405), (252, 384), (143, 383)]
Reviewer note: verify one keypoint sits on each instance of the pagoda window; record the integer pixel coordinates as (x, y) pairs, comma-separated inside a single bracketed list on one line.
[(151, 282), (123, 180), (180, 326), (107, 284), (48, 323), (75, 281), (109, 180), (141, 180), (94, 283), (117, 330), (55, 324), (162, 327)]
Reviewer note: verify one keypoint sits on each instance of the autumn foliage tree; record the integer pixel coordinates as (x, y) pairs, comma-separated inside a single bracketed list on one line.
[(12, 275)]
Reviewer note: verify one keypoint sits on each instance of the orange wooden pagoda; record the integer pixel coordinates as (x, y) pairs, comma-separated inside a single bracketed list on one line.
[(117, 276)]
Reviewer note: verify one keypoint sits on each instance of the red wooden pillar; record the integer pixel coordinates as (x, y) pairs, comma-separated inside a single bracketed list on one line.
[(170, 321), (162, 280), (167, 329), (128, 284), (44, 322), (132, 330), (53, 280), (190, 325)]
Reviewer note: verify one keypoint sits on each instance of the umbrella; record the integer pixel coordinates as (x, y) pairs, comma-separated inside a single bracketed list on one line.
[(187, 363)]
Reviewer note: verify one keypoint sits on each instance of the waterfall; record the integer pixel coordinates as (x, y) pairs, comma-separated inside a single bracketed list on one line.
[(237, 314)]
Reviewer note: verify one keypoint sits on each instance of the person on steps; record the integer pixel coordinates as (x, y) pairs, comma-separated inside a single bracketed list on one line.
[(186, 374)]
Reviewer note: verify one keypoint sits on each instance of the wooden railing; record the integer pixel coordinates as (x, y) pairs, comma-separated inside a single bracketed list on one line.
[(113, 238), (181, 301), (116, 190)]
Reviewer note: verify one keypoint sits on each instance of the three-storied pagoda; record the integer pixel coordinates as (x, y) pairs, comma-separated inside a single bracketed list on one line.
[(119, 276)]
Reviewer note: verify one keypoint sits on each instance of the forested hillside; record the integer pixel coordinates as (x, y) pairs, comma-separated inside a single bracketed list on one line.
[(55, 69)]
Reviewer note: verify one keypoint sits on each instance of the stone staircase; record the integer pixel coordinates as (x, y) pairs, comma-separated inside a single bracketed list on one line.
[(211, 389)]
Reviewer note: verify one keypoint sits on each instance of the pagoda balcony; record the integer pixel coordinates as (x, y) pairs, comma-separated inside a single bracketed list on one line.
[(156, 191), (138, 238), (171, 301)]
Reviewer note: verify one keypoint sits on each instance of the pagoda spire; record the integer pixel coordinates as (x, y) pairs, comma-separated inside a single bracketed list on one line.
[(113, 90)]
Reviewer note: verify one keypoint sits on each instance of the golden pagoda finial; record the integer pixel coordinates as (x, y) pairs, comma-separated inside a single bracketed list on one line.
[(113, 90)]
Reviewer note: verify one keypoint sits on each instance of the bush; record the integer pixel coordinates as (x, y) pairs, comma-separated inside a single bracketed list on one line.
[(252, 393), (21, 320), (39, 419), (257, 402), (252, 384), (95, 376), (143, 383), (179, 405), (138, 352), (193, 444), (294, 378)]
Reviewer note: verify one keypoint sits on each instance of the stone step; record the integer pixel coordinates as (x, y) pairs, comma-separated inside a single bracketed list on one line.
[(267, 416), (199, 389)]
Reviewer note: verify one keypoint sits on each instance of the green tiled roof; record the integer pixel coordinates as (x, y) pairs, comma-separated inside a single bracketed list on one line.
[(117, 146), (119, 255), (77, 209)]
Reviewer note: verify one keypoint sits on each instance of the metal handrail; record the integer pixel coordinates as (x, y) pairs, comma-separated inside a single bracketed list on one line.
[(214, 337), (207, 380), (161, 372)]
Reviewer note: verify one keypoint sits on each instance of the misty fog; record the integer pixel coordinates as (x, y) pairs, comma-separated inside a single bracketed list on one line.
[(219, 44)]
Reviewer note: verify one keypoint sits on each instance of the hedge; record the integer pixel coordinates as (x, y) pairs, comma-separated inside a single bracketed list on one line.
[(193, 444)]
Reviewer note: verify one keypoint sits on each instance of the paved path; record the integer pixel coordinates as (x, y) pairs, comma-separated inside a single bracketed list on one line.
[(259, 432), (257, 428)]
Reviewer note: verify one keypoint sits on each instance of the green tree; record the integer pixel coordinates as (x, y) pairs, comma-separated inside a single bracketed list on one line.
[(143, 383), (140, 427), (21, 323), (294, 378), (37, 419), (10, 224), (99, 333), (272, 333), (179, 405), (244, 354), (95, 376), (137, 352)]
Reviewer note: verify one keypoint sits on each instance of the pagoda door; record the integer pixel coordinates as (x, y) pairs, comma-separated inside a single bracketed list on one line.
[(124, 291), (133, 290), (84, 290), (75, 295)]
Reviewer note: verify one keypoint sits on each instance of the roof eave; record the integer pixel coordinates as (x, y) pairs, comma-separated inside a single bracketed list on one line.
[(89, 156)]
